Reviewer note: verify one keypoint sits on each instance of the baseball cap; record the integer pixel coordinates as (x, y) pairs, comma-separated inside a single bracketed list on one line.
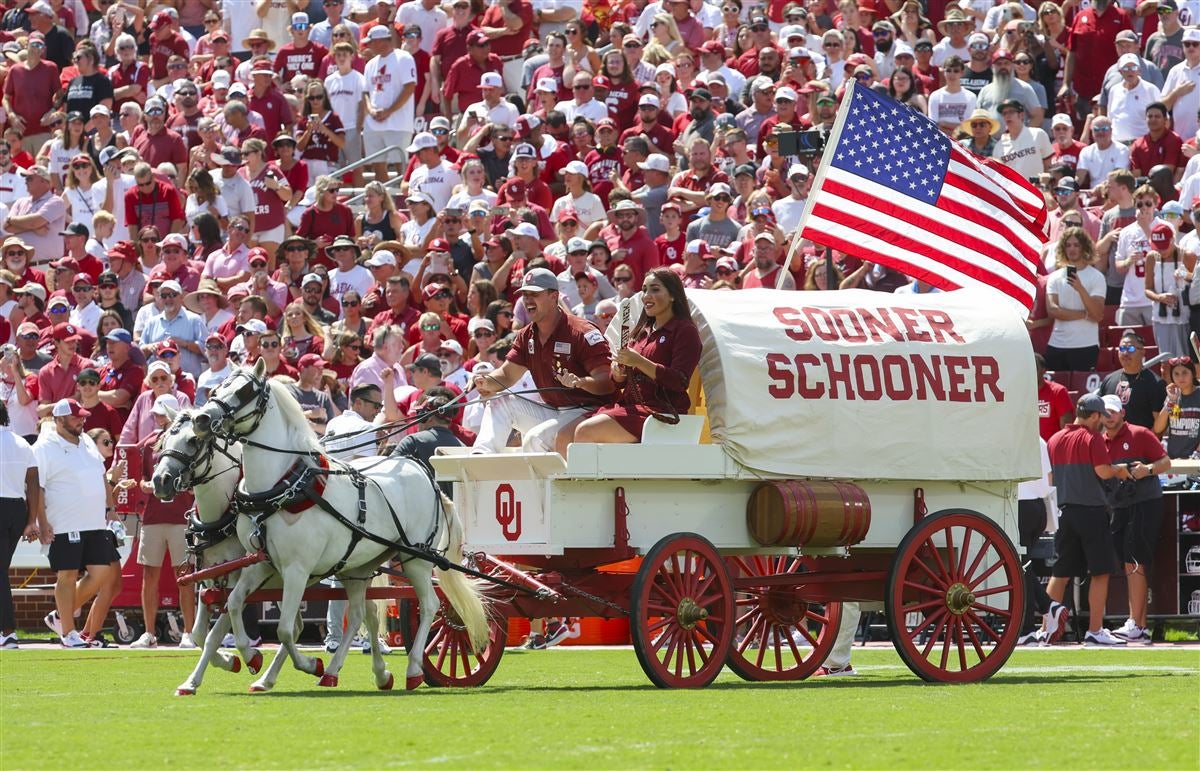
[(656, 162), (568, 214), (1066, 185), (310, 359), (159, 366), (719, 188), (478, 322), (65, 332), (69, 407), (312, 278), (1001, 53), (300, 17), (1161, 235), (1191, 35), (380, 258), (429, 363), (431, 290), (525, 229), (1089, 403), (1061, 119), (766, 235), (576, 167), (702, 93), (172, 285), (165, 404), (1129, 60), (549, 85), (422, 141), (1112, 403), (451, 345), (379, 32), (58, 297), (524, 151), (119, 335), (35, 171), (88, 373), (539, 280), (478, 38), (1126, 36), (174, 239), (697, 246), (438, 245), (491, 80), (37, 290), (797, 169), (745, 168), (577, 244), (727, 263), (650, 99), (257, 254), (253, 327), (787, 92)]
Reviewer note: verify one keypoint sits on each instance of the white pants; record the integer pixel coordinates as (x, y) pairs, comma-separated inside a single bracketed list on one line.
[(839, 657), (1137, 316), (539, 425)]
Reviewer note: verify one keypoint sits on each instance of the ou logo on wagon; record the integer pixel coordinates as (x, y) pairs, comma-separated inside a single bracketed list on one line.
[(507, 514)]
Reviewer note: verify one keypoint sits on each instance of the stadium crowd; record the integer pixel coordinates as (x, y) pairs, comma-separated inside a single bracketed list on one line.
[(173, 200)]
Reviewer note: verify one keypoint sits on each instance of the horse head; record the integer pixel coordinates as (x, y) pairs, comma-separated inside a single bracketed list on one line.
[(181, 453), (241, 397)]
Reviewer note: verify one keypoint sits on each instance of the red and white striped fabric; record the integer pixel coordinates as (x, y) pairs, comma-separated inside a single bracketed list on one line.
[(894, 190)]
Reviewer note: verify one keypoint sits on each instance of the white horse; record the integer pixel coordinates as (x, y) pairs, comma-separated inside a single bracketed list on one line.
[(187, 462), (386, 502)]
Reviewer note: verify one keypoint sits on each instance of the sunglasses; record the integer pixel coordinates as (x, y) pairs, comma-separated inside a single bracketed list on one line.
[(160, 380), (88, 382), (106, 442), (373, 403), (431, 327), (1146, 205), (108, 286), (442, 296), (1101, 129), (82, 288), (167, 355), (1127, 348), (507, 314), (483, 333), (270, 344), (1190, 43), (832, 45), (59, 309), (622, 279), (214, 346), (350, 303), (1175, 361), (167, 295)]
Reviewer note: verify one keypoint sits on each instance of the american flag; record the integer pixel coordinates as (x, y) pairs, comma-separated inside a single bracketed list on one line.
[(894, 190)]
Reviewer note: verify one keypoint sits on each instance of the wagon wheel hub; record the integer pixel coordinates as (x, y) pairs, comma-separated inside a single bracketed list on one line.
[(689, 613), (959, 599)]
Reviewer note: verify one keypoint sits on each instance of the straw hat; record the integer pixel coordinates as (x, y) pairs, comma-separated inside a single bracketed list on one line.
[(980, 114), (258, 35), (207, 286)]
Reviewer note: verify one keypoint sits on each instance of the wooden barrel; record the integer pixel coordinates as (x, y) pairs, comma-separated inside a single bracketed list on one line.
[(795, 512)]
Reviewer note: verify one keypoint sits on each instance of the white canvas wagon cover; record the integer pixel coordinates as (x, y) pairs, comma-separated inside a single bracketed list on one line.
[(867, 385)]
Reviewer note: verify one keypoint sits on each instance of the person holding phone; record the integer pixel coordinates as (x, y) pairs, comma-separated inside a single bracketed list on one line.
[(1075, 300)]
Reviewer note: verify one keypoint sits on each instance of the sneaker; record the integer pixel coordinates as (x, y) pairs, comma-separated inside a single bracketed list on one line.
[(331, 645), (384, 648), (1041, 638), (227, 640), (1103, 638), (1031, 638), (147, 640), (8, 642), (94, 641), (1131, 632), (359, 642), (53, 623), (557, 634), (846, 671), (536, 642), (1055, 621), (186, 642), (73, 640)]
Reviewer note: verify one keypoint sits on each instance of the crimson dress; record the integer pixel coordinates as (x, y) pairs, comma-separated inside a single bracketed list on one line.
[(675, 351)]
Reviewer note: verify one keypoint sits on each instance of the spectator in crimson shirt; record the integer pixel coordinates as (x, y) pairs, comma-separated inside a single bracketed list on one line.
[(165, 42), (1066, 147), (1091, 46), (30, 92), (556, 47), (156, 143), (1159, 146), (153, 202), (760, 38), (450, 44), (326, 219), (462, 81), (631, 243), (1054, 402), (301, 56), (268, 101), (507, 23)]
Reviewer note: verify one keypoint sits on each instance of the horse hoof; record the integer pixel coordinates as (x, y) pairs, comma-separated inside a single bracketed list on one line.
[(236, 665), (185, 691), (258, 688), (391, 681), (328, 681), (319, 668), (413, 682), (254, 663)]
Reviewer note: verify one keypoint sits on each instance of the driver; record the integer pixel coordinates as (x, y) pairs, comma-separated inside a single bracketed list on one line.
[(569, 361)]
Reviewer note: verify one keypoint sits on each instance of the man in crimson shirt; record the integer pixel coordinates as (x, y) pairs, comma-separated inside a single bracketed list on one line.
[(690, 187), (1158, 146), (399, 312), (604, 159), (1054, 402), (631, 243), (153, 202), (30, 91), (156, 143), (760, 38), (268, 101), (450, 45), (1066, 147), (121, 378), (186, 119), (462, 80), (301, 56), (165, 42), (1091, 46), (785, 113), (647, 124), (507, 23), (130, 78)]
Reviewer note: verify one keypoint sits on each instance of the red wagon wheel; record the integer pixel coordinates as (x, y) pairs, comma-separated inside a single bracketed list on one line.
[(449, 660), (682, 612), (779, 634), (955, 597)]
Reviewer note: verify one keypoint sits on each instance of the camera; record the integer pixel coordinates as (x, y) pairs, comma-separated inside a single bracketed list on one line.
[(7, 348), (802, 143)]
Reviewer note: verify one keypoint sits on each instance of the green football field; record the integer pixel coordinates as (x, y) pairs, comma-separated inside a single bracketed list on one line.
[(563, 708)]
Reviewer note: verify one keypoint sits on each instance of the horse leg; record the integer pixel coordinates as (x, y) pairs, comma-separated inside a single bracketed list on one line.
[(295, 580), (251, 578), (356, 598), (420, 575), (383, 678), (210, 654)]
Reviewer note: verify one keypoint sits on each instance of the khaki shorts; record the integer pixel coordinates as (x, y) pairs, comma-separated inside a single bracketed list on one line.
[(397, 141), (156, 540)]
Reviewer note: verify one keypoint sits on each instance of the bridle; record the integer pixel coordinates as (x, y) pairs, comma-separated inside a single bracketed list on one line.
[(193, 473), (253, 391)]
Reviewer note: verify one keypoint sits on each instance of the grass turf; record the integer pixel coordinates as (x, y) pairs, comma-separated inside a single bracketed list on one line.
[(595, 709)]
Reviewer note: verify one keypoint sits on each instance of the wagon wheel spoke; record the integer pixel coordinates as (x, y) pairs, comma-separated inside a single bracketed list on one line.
[(976, 644), (964, 552), (931, 619), (993, 590), (999, 563), (690, 642), (916, 560), (992, 610), (925, 588), (949, 555), (807, 636), (938, 629), (666, 637), (962, 652), (948, 632), (937, 557), (940, 602), (984, 626)]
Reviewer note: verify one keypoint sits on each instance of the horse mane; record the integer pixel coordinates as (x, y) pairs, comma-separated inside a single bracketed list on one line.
[(293, 415)]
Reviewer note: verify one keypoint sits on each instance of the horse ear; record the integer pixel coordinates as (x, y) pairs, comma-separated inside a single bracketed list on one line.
[(260, 367), (171, 412)]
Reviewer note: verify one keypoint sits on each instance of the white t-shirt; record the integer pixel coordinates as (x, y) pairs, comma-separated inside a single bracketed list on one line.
[(588, 206), (1130, 240), (463, 200), (192, 207), (124, 183), (1076, 333), (72, 476), (209, 380), (345, 93), (1098, 163), (357, 278), (593, 110), (386, 78), (355, 444), (503, 114), (787, 212), (16, 458), (1186, 105), (1024, 153), (239, 17), (437, 182), (1127, 109), (236, 193), (942, 50), (947, 108), (430, 21)]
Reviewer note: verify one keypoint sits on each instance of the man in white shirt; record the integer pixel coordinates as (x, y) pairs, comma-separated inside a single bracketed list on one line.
[(349, 435), (427, 15), (389, 101), (493, 108), (72, 511), (1180, 91), (12, 184), (1102, 157), (345, 87), (787, 210), (956, 26), (1024, 149), (434, 176), (216, 351), (584, 103), (1128, 100), (348, 275), (235, 189), (86, 313), (108, 194), (950, 105), (322, 31)]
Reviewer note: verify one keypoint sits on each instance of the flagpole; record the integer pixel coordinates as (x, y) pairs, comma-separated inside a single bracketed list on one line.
[(831, 141)]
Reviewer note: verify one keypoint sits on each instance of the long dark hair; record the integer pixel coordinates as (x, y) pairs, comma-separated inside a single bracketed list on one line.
[(209, 231), (912, 85), (679, 302)]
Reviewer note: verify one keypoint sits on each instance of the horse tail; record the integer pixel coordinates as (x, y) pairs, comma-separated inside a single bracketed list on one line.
[(464, 595)]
